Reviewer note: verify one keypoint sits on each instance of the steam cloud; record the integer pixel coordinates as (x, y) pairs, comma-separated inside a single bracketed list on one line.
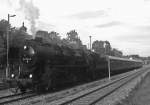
[(31, 13)]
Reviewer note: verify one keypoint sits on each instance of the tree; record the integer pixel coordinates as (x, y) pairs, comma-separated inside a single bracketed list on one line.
[(102, 47), (135, 56), (98, 47), (3, 32), (55, 38), (4, 25), (116, 52), (2, 47), (54, 35), (74, 40), (107, 47), (72, 35), (16, 38)]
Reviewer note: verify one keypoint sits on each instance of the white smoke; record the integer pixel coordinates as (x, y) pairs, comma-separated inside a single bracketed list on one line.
[(9, 2), (31, 13)]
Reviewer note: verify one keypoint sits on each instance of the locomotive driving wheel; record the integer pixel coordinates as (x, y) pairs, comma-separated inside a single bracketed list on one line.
[(49, 77)]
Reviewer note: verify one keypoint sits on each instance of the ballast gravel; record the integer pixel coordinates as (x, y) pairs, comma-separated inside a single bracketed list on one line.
[(124, 92)]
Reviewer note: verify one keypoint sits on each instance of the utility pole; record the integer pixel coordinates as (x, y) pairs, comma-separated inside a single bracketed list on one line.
[(8, 29), (104, 48), (90, 42), (108, 60)]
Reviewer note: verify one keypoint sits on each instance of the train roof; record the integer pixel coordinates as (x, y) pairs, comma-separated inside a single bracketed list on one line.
[(125, 59)]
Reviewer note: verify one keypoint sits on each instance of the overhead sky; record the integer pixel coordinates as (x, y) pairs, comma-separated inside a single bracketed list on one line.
[(124, 23)]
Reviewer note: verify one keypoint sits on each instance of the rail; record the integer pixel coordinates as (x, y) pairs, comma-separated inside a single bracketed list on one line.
[(79, 96), (15, 97)]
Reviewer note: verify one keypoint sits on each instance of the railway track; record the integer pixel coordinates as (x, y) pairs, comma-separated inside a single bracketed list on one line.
[(15, 97), (96, 94), (1, 86), (89, 96), (49, 97)]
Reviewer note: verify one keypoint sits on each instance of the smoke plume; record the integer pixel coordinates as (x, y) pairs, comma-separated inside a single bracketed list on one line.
[(31, 13)]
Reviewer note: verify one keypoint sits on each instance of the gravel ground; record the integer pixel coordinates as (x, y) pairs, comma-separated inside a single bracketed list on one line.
[(5, 92), (140, 95), (122, 93)]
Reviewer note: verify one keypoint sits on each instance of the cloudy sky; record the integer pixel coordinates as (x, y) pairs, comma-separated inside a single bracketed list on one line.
[(125, 23)]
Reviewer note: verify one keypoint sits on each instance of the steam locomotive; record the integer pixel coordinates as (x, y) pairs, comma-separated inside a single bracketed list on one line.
[(46, 66)]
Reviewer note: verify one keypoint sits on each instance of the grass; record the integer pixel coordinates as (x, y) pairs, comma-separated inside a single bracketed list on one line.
[(129, 99)]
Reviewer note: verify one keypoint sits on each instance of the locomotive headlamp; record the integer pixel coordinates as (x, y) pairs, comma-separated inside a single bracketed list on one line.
[(12, 75), (30, 76), (25, 47)]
